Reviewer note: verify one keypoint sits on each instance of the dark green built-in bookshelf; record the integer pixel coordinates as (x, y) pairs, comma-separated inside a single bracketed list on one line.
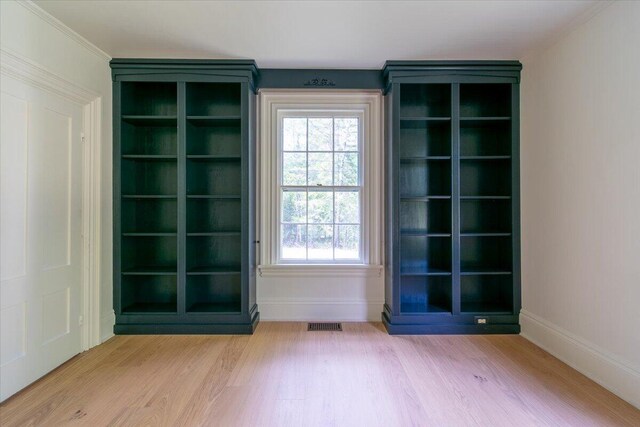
[(184, 209), (184, 193), (452, 194)]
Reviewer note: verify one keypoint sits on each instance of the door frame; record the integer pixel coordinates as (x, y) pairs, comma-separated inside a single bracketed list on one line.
[(29, 72)]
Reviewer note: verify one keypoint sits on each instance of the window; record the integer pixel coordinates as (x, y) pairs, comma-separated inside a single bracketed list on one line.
[(330, 138), (320, 187)]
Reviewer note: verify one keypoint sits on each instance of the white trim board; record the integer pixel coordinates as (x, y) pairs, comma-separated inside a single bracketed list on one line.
[(106, 324), (616, 375), (92, 222)]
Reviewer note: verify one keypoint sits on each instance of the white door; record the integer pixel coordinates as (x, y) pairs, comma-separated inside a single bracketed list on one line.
[(40, 233)]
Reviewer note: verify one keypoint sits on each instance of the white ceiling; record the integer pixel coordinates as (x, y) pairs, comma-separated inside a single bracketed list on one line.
[(316, 34)]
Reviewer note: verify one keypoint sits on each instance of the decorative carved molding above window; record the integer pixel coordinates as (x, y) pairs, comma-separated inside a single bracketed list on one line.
[(319, 82)]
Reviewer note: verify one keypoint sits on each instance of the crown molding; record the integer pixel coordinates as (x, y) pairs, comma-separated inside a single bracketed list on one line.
[(60, 26), (23, 69)]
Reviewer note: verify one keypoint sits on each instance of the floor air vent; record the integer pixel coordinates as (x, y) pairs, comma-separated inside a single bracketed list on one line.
[(324, 326)]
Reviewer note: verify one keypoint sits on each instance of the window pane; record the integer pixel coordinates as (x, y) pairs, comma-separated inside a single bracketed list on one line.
[(320, 168), (294, 134), (294, 241), (320, 207), (347, 242), (347, 207), (294, 169), (346, 169), (320, 131), (294, 206), (346, 134), (320, 242)]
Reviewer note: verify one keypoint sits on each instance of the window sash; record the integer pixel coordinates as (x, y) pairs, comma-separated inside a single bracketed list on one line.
[(316, 188), (357, 190)]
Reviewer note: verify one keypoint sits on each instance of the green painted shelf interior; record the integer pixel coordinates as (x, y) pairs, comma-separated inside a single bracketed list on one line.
[(150, 155), (429, 120)]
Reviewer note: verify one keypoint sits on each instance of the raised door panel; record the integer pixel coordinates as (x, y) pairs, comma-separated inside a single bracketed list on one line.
[(13, 186)]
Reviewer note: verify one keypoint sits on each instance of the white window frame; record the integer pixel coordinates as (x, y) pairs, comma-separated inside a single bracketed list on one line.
[(274, 104), (316, 113)]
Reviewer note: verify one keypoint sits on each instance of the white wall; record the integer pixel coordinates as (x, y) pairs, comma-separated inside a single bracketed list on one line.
[(29, 33), (581, 198), (321, 297)]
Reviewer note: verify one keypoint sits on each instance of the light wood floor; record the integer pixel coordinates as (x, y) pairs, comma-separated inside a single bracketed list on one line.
[(286, 376)]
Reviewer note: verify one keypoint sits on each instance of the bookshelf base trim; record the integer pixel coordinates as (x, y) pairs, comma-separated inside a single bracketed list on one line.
[(239, 328)]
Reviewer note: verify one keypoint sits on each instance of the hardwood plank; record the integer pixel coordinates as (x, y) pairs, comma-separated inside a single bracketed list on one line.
[(284, 375)]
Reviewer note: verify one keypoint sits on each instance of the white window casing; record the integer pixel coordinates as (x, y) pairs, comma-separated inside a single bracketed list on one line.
[(273, 107)]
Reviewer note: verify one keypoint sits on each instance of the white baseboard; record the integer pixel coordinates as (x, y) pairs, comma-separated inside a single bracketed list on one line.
[(106, 326), (603, 367), (304, 310)]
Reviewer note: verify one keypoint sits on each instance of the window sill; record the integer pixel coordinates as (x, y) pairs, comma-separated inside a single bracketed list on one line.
[(322, 270)]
